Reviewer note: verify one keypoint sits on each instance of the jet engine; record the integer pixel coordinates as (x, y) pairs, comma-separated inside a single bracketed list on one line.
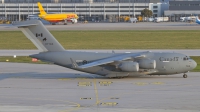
[(147, 64), (129, 66)]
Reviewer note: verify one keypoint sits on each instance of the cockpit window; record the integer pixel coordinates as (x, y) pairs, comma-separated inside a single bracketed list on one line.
[(186, 58)]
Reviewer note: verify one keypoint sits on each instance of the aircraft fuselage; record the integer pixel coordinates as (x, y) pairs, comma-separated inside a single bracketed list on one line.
[(166, 63)]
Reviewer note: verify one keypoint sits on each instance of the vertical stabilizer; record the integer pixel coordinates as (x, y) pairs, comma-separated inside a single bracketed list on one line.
[(197, 20), (39, 35), (42, 11)]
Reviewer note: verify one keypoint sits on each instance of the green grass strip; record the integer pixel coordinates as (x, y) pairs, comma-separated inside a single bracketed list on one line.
[(20, 59), (172, 39)]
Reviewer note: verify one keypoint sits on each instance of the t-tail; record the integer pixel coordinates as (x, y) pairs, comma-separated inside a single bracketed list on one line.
[(42, 11), (39, 35)]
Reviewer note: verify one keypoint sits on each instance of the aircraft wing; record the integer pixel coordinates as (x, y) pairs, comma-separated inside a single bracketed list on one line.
[(112, 59)]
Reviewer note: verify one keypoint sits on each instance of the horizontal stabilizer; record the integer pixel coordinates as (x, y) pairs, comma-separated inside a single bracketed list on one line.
[(25, 25)]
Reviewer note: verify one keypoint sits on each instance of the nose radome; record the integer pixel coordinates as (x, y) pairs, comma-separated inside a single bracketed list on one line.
[(194, 64)]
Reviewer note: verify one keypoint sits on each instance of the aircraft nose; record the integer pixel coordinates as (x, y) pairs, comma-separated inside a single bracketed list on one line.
[(194, 64)]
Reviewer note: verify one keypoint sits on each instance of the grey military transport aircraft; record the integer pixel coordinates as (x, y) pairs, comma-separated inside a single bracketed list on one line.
[(104, 64)]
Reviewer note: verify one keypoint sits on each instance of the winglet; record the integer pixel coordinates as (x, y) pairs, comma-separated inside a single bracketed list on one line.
[(74, 64)]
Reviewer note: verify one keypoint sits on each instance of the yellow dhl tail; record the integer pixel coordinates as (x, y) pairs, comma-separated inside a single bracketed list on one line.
[(42, 11)]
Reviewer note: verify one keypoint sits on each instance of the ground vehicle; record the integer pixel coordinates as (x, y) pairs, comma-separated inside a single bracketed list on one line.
[(161, 19)]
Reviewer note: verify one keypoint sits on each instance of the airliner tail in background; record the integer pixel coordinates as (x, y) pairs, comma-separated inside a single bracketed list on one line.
[(57, 17)]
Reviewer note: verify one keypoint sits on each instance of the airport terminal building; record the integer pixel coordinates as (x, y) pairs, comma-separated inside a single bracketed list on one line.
[(101, 10), (182, 8)]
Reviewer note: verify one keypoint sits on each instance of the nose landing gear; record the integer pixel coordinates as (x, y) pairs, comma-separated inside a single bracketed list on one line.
[(185, 76)]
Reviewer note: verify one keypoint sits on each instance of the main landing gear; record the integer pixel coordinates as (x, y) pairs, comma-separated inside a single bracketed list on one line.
[(65, 22), (53, 23), (185, 76)]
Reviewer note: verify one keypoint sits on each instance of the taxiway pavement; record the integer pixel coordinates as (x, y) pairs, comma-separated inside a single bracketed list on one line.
[(188, 52), (50, 88), (116, 26)]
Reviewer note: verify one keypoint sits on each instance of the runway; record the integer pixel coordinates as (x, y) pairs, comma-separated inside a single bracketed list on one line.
[(188, 52), (116, 26), (50, 88)]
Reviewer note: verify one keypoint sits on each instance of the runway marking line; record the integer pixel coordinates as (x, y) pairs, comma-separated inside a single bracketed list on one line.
[(157, 83), (96, 92), (109, 103), (141, 83), (84, 84), (85, 98), (104, 84), (114, 98), (65, 101), (128, 93)]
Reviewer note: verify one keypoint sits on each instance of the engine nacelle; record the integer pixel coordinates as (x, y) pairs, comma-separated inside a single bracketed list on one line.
[(129, 66), (147, 64)]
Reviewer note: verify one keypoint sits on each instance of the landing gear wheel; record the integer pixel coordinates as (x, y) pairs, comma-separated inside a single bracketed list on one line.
[(65, 22), (120, 77), (185, 76)]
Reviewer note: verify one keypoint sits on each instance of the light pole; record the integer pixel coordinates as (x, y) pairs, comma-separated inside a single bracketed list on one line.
[(28, 6), (129, 8), (134, 9), (28, 9)]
